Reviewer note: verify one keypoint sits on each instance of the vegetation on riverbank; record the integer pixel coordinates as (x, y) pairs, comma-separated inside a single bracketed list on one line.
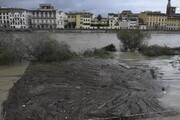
[(102, 53), (137, 40), (133, 39), (95, 53), (43, 49), (48, 50), (11, 50), (156, 50)]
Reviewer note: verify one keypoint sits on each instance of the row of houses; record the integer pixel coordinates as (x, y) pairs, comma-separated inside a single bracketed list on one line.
[(46, 17)]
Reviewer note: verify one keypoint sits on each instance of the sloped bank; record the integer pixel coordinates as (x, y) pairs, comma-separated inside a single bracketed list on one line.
[(83, 88)]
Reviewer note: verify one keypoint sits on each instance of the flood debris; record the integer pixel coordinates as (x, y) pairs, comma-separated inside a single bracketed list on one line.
[(80, 89)]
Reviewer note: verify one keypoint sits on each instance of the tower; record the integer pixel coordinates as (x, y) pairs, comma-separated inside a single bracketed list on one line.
[(170, 10)]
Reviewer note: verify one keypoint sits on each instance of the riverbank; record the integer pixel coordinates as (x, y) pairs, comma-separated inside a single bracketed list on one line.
[(8, 76), (82, 31), (83, 88)]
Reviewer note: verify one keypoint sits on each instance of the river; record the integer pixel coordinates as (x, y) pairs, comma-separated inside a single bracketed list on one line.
[(168, 66), (8, 76)]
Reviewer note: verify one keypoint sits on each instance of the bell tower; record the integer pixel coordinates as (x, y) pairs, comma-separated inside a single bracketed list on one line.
[(168, 9)]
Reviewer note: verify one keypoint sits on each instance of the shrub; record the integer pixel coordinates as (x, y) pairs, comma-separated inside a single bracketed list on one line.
[(156, 50), (132, 39), (110, 47), (11, 50), (48, 50), (96, 53)]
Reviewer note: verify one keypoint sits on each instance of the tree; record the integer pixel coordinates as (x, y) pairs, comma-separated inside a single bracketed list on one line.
[(99, 17), (133, 39), (45, 49), (11, 49)]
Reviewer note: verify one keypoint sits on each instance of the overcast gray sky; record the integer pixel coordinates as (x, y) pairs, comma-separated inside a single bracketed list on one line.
[(96, 6)]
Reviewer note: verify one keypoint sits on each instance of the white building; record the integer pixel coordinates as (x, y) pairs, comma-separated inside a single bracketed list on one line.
[(14, 18), (61, 19), (44, 17), (86, 19), (20, 18), (113, 21), (128, 20)]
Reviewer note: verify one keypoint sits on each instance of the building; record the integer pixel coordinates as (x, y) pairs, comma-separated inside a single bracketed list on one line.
[(154, 20), (79, 20), (173, 20), (170, 10), (44, 17), (71, 18), (113, 21), (173, 23), (61, 20), (83, 20), (128, 20), (100, 24), (15, 18), (157, 20)]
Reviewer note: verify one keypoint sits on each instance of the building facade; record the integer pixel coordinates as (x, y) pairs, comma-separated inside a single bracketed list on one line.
[(157, 20), (128, 20), (79, 20), (113, 21), (44, 17), (61, 20), (100, 24), (173, 23), (154, 20), (16, 18)]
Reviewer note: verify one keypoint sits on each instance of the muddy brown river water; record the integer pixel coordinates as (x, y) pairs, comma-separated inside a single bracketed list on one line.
[(8, 76), (168, 66)]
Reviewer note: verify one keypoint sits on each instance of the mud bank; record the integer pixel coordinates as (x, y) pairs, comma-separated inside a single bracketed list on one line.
[(83, 89)]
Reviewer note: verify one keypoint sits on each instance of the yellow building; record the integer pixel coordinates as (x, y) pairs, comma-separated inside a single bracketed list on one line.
[(71, 18), (173, 23), (79, 20), (154, 20)]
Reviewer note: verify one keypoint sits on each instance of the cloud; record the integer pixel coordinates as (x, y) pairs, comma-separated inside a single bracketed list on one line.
[(96, 6)]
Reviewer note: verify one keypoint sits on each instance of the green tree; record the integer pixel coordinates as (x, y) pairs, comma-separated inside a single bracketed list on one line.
[(133, 39)]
